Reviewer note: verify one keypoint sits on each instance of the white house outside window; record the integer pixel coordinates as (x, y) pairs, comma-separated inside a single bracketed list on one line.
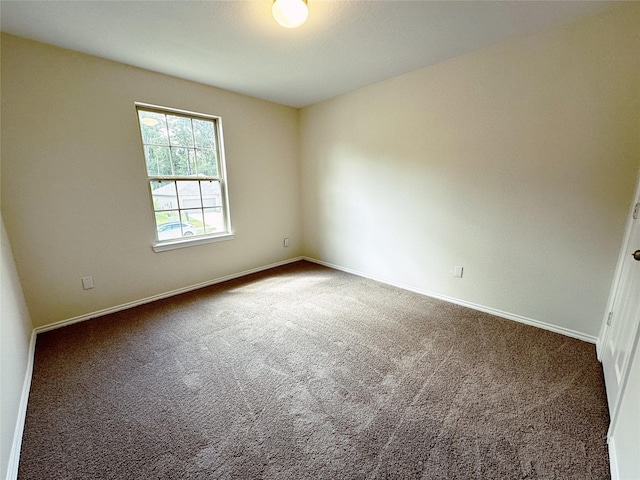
[(184, 157)]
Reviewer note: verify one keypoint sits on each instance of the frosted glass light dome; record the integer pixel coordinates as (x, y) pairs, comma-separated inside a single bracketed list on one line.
[(290, 13)]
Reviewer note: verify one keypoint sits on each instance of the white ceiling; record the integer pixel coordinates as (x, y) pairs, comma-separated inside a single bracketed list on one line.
[(236, 44)]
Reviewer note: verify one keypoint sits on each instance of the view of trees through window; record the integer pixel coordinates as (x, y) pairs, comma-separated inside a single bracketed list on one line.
[(183, 168)]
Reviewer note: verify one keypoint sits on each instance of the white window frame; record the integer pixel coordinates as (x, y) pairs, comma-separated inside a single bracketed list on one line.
[(221, 178)]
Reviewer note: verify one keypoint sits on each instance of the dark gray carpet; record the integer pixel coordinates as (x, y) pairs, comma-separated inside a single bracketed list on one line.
[(304, 372)]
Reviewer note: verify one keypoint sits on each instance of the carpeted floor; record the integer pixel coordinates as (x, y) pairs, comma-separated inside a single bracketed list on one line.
[(303, 372)]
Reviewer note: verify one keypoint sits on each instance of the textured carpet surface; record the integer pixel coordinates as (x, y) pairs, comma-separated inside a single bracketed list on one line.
[(306, 372)]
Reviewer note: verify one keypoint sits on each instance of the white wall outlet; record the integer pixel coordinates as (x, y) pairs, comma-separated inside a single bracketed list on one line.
[(286, 242), (457, 272), (87, 283)]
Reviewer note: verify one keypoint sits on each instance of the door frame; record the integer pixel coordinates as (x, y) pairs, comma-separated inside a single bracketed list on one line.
[(604, 329)]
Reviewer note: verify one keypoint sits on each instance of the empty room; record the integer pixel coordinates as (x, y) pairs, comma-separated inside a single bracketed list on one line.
[(302, 239)]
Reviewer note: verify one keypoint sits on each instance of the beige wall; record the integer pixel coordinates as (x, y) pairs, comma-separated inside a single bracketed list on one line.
[(74, 194), (14, 351), (516, 162)]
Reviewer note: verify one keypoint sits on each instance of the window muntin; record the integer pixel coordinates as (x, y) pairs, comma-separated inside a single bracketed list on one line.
[(185, 171)]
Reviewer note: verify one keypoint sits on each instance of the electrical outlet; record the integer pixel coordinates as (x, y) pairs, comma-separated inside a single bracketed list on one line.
[(286, 242), (87, 283), (457, 272)]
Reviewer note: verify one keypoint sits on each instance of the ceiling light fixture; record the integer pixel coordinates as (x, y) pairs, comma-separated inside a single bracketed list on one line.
[(290, 13)]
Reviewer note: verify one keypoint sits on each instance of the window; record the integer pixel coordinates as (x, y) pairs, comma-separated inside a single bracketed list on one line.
[(186, 174)]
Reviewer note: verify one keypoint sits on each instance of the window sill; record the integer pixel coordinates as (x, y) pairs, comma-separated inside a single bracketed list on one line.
[(191, 242)]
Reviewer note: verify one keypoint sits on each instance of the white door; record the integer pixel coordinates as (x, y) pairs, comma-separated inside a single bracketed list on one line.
[(621, 336)]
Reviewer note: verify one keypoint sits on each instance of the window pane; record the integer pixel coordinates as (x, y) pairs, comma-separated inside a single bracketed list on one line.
[(189, 194), (164, 195), (191, 222), (203, 133), (153, 127), (214, 220), (184, 162), (168, 225), (158, 161), (180, 131), (207, 163), (211, 194)]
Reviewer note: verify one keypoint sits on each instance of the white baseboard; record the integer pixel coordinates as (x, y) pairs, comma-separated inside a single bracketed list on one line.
[(135, 303), (14, 458), (599, 348), (473, 306)]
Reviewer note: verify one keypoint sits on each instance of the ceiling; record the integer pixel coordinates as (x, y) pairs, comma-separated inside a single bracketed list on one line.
[(237, 45)]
